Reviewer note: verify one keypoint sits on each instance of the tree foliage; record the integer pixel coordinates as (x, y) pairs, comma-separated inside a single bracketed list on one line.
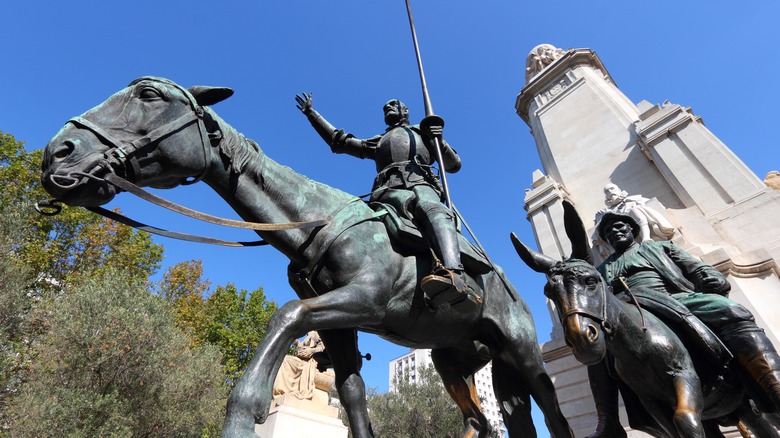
[(232, 320), (85, 348), (415, 410), (15, 305), (60, 249), (114, 364)]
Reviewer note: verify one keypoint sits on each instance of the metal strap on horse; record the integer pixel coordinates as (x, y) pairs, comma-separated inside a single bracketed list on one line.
[(124, 153), (205, 217), (325, 238)]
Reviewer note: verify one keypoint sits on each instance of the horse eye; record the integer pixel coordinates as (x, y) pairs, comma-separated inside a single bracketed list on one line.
[(591, 282), (149, 93)]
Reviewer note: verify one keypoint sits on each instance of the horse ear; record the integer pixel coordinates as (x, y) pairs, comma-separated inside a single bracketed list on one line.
[(580, 248), (536, 261), (208, 96)]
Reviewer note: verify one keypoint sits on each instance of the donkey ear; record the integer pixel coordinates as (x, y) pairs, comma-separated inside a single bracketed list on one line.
[(536, 261), (580, 248), (208, 96)]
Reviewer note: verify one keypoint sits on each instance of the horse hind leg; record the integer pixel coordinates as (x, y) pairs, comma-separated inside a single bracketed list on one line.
[(514, 401), (458, 379), (518, 376)]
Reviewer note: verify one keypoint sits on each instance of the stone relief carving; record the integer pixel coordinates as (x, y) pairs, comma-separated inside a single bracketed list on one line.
[(539, 58), (653, 224)]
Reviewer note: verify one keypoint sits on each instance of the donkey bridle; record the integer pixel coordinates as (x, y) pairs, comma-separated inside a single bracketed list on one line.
[(605, 324)]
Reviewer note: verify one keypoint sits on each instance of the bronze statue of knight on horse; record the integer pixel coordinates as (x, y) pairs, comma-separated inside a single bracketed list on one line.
[(349, 273)]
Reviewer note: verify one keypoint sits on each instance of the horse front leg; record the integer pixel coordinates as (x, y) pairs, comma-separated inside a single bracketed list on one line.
[(342, 348), (250, 400), (687, 413)]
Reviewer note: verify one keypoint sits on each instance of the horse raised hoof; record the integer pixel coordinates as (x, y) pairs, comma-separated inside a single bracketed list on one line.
[(446, 286)]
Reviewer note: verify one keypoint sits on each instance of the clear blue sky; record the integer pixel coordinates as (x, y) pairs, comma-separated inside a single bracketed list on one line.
[(62, 58)]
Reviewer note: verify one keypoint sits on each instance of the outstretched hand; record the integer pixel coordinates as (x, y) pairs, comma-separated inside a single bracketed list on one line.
[(304, 102)]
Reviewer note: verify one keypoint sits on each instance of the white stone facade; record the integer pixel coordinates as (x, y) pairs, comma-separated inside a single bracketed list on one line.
[(589, 134)]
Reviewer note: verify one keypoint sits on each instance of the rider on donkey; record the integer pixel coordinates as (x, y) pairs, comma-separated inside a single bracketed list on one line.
[(659, 270), (403, 155)]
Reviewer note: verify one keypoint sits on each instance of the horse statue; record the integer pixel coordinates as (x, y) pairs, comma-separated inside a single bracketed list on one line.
[(653, 366), (347, 270)]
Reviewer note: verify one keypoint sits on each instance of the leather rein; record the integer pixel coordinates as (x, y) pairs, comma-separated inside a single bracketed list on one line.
[(123, 156)]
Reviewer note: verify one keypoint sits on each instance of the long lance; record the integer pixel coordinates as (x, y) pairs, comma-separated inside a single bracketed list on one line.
[(430, 117)]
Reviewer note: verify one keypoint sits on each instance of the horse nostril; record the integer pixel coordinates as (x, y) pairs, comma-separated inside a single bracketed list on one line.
[(66, 148), (592, 333)]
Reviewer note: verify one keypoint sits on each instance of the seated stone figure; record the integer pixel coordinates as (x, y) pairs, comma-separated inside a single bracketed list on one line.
[(298, 376), (653, 225), (661, 271)]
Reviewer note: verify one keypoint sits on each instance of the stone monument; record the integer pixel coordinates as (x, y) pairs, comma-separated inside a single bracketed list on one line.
[(301, 402), (719, 209)]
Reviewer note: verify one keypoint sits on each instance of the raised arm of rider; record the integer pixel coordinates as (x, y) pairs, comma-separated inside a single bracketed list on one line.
[(339, 141)]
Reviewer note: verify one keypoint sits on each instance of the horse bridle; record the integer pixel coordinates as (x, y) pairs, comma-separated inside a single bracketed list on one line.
[(122, 154), (605, 324)]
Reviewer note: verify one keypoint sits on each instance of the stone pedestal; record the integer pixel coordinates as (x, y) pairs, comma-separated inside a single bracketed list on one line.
[(295, 419)]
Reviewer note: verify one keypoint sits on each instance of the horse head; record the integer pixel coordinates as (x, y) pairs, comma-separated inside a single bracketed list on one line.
[(153, 132), (577, 290)]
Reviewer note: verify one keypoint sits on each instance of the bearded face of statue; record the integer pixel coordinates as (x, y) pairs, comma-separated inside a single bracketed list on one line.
[(613, 195)]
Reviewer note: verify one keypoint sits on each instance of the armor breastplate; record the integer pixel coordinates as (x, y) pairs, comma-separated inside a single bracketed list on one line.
[(401, 143)]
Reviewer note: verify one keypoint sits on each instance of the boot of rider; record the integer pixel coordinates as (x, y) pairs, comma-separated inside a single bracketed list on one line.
[(755, 352), (446, 283), (605, 395)]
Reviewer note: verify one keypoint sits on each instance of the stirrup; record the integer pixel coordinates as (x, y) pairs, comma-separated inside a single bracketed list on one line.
[(446, 286)]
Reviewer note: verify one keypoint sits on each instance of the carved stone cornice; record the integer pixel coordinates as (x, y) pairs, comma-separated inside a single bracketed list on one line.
[(670, 119), (552, 75), (546, 191)]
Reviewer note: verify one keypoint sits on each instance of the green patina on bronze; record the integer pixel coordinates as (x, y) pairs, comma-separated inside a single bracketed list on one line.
[(349, 274)]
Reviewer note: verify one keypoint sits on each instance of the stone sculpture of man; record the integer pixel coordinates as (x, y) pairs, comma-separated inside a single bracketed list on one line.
[(403, 155), (654, 225), (662, 271), (297, 373), (772, 179), (539, 58)]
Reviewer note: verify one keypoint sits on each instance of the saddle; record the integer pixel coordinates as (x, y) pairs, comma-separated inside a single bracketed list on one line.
[(710, 356), (403, 231)]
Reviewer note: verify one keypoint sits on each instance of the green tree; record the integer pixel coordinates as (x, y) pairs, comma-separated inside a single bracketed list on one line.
[(114, 364), (15, 304), (232, 320), (235, 321), (60, 249), (39, 255), (415, 410)]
